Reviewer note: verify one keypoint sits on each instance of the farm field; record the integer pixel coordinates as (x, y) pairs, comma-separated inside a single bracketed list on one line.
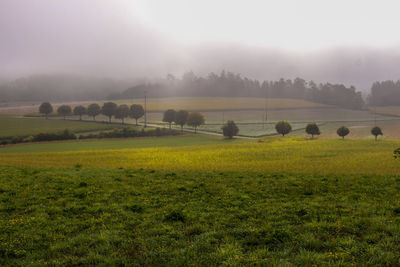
[(272, 154), (126, 143), (12, 126)]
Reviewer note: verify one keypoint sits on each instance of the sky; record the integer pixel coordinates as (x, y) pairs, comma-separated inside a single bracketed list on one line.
[(352, 42)]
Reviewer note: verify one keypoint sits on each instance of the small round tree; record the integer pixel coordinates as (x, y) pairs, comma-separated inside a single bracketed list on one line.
[(109, 109), (169, 116), (376, 131), (93, 110), (136, 112), (64, 110), (46, 108), (195, 119), (313, 129), (181, 118), (230, 129), (283, 127), (343, 131), (396, 153), (79, 111), (122, 112)]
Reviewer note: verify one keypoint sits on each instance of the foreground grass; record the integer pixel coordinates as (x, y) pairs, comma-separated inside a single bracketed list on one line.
[(112, 144), (79, 216), (283, 155), (12, 126)]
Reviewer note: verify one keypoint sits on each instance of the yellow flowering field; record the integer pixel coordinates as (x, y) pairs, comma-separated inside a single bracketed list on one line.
[(289, 155)]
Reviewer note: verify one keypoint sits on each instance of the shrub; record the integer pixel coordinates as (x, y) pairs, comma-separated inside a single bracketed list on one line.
[(65, 135)]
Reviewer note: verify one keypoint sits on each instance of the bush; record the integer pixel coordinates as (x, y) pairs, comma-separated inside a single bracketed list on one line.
[(65, 135), (130, 132)]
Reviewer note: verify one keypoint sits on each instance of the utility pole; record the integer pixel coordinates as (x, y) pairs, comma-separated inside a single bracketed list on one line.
[(265, 106), (145, 109), (223, 118)]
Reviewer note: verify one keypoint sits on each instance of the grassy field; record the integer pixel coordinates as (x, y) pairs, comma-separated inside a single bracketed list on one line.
[(284, 155), (12, 126), (83, 216), (201, 200), (112, 144)]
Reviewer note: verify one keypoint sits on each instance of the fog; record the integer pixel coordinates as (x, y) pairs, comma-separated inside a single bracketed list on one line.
[(353, 44)]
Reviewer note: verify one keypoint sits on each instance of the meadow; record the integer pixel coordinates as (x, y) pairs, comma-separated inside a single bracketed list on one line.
[(202, 200), (118, 143), (147, 217), (16, 126)]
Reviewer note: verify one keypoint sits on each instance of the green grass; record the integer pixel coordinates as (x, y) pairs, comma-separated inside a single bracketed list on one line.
[(81, 216), (107, 144), (12, 126)]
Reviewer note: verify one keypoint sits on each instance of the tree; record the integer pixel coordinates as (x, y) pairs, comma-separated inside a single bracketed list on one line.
[(109, 109), (93, 110), (313, 129), (230, 129), (195, 119), (181, 118), (283, 127), (343, 131), (137, 112), (396, 153), (46, 108), (169, 116), (64, 110), (376, 131), (122, 112), (80, 110)]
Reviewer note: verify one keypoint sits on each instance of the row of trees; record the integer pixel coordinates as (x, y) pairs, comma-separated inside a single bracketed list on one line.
[(228, 84), (284, 127), (182, 117), (108, 109)]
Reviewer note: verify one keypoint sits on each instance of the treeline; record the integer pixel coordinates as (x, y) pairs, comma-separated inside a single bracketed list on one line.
[(386, 93), (228, 84), (109, 109)]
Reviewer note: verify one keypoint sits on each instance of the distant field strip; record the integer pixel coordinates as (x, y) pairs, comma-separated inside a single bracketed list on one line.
[(223, 103), (290, 155), (191, 104), (390, 110)]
